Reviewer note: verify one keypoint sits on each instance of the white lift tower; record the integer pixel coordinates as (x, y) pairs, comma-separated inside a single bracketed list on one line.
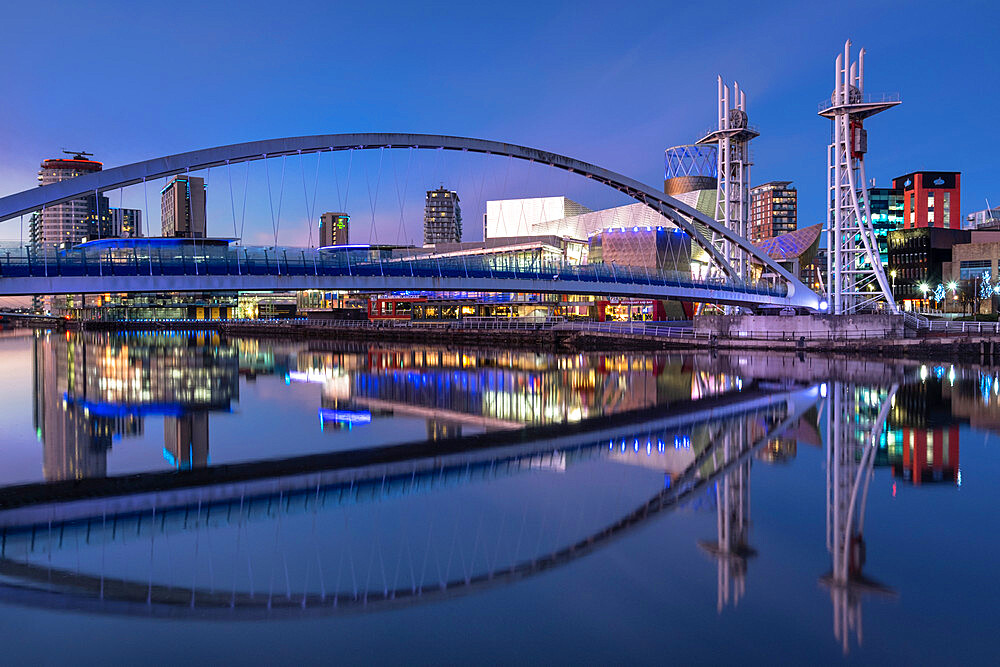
[(733, 137), (855, 276)]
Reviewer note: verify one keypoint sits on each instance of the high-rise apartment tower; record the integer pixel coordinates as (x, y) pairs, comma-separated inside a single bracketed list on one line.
[(333, 229), (71, 222), (442, 217), (182, 207)]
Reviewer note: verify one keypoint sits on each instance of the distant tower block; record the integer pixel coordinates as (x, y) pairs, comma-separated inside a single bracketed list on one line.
[(855, 278), (733, 199)]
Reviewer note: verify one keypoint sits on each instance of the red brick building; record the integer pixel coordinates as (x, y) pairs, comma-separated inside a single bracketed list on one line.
[(773, 210), (931, 199)]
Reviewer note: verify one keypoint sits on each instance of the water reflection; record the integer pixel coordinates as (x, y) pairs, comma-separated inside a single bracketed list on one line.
[(855, 420), (337, 555), (93, 388), (559, 456)]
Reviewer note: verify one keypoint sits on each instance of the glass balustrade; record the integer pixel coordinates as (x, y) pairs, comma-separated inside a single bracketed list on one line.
[(209, 260)]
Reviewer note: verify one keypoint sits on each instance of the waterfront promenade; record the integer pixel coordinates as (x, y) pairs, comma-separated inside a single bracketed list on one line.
[(927, 340)]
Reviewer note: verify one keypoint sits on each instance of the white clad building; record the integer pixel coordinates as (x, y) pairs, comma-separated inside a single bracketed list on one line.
[(519, 217), (559, 216)]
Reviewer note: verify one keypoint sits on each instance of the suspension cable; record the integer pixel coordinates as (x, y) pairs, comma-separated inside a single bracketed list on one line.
[(243, 214), (373, 231), (401, 197)]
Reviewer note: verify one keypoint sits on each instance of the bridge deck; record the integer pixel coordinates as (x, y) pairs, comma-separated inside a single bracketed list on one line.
[(213, 268)]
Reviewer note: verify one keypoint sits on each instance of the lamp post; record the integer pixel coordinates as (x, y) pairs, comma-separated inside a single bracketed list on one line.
[(923, 287)]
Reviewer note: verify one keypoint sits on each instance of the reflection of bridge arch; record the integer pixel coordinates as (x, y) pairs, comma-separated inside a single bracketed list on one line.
[(63, 588), (681, 214)]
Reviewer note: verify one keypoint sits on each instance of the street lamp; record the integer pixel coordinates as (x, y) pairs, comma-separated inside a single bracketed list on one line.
[(923, 291)]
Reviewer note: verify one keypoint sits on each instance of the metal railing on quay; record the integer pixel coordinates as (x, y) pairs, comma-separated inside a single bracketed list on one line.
[(963, 327), (832, 336)]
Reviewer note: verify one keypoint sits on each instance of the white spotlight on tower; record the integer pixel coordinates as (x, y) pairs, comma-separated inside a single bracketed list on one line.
[(855, 276)]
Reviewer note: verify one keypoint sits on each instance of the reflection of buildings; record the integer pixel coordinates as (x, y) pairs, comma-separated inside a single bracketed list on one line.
[(494, 389), (922, 441), (185, 439), (778, 450), (442, 430), (75, 441), (92, 387)]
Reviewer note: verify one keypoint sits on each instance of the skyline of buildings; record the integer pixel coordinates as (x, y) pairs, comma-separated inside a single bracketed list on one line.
[(919, 199), (689, 169)]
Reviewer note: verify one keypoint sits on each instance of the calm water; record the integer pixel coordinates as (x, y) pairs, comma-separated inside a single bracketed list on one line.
[(490, 505)]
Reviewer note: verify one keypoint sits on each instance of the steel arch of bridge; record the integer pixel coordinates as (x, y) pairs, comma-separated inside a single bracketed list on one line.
[(679, 213)]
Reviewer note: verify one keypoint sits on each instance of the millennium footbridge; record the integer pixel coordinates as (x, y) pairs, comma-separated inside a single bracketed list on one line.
[(164, 265)]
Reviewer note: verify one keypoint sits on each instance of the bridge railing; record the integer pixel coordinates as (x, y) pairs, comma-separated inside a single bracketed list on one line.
[(193, 259)]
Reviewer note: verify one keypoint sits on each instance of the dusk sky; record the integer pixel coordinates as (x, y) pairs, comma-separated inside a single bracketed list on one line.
[(613, 84)]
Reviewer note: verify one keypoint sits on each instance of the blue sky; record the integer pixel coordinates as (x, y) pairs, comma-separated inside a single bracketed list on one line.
[(612, 84)]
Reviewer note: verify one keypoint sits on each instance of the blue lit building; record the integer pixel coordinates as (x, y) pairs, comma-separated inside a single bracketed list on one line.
[(887, 215)]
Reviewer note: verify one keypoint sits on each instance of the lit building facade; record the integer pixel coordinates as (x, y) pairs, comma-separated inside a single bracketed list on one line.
[(793, 250), (334, 229), (813, 274), (970, 264), (532, 216), (887, 215), (691, 175), (540, 221), (659, 248), (182, 207), (917, 258), (71, 222), (773, 210), (126, 223), (442, 217), (931, 199)]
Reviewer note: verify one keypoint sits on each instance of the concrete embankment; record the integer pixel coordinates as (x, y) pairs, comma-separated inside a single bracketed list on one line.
[(875, 344)]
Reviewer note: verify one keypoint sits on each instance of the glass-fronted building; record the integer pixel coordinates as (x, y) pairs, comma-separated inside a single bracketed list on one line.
[(887, 215)]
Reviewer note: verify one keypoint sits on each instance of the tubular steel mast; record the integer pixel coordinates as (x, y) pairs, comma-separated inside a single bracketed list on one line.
[(733, 137), (855, 276)]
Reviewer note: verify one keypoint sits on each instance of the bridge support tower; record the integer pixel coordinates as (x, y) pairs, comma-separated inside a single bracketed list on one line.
[(732, 204), (855, 277)]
